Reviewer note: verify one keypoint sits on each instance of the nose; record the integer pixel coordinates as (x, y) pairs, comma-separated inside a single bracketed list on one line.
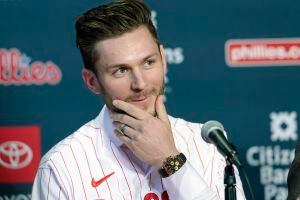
[(138, 81)]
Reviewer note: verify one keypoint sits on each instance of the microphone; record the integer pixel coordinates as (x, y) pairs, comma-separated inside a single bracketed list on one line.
[(213, 132)]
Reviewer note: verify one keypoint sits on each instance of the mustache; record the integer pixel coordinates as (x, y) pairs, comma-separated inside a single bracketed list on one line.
[(146, 93), (140, 95)]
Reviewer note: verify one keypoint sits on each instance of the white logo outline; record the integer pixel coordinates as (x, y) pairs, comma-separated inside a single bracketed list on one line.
[(13, 150), (289, 119)]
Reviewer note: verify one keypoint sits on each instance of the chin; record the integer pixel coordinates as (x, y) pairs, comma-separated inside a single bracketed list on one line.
[(152, 112)]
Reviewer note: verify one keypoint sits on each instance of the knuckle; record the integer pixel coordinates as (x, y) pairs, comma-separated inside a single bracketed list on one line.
[(143, 128), (121, 118), (137, 137)]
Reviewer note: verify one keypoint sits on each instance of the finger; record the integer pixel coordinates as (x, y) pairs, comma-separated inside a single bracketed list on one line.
[(120, 127), (126, 140), (161, 109), (124, 119), (128, 131), (130, 109)]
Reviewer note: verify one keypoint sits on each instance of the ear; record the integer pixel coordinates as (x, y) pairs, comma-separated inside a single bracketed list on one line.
[(163, 58), (91, 81)]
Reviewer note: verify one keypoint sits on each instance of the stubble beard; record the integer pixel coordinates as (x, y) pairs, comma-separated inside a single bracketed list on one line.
[(147, 93)]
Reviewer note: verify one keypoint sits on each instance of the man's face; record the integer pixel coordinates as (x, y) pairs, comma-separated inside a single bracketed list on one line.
[(131, 68)]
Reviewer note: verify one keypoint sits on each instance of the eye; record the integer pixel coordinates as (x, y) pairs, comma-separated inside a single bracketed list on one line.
[(120, 72), (149, 63)]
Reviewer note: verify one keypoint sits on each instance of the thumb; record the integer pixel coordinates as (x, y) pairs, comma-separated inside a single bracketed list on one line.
[(161, 109)]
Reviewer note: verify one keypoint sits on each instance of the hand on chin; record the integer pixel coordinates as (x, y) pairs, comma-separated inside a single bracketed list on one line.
[(149, 138)]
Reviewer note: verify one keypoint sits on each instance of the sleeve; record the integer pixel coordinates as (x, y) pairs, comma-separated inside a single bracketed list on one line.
[(47, 186), (202, 176), (187, 184)]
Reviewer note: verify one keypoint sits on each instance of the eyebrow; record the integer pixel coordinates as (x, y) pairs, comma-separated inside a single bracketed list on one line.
[(110, 67)]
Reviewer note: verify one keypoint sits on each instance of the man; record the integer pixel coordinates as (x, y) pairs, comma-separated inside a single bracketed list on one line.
[(133, 149), (293, 180)]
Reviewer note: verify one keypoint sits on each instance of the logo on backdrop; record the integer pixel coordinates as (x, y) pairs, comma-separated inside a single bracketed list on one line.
[(19, 196), (16, 68), (284, 126), (274, 160), (19, 153), (262, 52), (174, 56), (15, 154), (153, 18)]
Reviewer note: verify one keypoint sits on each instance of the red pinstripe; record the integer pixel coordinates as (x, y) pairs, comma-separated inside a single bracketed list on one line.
[(79, 172), (119, 188), (98, 162), (200, 129), (134, 169), (101, 134), (218, 192), (87, 163), (212, 168), (100, 131), (89, 125), (43, 162), (198, 153), (187, 147), (59, 176), (72, 189), (196, 146), (206, 168), (122, 170), (176, 120), (187, 125), (49, 183), (176, 139), (41, 184)]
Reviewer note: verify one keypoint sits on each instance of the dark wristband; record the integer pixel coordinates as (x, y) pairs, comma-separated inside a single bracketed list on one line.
[(172, 164)]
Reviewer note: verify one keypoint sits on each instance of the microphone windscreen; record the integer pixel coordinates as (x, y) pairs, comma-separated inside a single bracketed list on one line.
[(208, 127)]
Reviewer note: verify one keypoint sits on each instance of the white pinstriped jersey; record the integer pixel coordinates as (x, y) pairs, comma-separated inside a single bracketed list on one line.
[(69, 169)]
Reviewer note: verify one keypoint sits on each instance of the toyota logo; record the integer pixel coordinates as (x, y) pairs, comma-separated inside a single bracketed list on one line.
[(15, 154)]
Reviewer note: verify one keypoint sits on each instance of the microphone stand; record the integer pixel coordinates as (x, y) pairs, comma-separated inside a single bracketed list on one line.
[(229, 181)]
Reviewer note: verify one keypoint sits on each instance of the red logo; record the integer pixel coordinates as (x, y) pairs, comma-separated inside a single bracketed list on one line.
[(165, 196), (97, 183), (153, 196), (16, 68), (19, 153), (262, 52), (15, 155)]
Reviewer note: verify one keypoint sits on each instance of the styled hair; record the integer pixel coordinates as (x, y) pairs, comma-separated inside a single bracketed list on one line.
[(108, 21)]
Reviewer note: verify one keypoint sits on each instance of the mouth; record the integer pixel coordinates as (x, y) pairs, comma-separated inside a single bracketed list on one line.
[(138, 100)]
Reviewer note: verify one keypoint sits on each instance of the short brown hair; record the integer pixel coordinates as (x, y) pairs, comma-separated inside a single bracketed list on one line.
[(108, 21)]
